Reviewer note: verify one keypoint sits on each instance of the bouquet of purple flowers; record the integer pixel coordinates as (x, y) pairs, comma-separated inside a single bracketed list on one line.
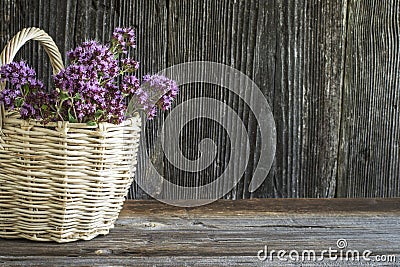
[(94, 88)]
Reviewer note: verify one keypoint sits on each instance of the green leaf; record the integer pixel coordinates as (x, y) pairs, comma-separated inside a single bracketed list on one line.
[(71, 118), (98, 113), (77, 96), (18, 102), (26, 89), (63, 95), (91, 123), (44, 107)]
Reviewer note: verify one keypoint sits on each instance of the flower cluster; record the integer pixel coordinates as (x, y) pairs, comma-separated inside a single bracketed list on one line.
[(161, 92), (122, 39), (129, 65), (27, 93), (97, 59), (87, 85), (93, 88)]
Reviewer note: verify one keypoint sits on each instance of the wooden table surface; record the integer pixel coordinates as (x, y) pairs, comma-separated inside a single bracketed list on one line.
[(227, 233)]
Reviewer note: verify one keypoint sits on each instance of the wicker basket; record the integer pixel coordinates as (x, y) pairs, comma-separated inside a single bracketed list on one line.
[(61, 181)]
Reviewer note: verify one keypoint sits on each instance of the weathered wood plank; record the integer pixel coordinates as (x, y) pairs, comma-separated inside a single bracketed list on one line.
[(150, 19), (369, 147), (170, 261), (298, 64), (225, 233), (293, 51)]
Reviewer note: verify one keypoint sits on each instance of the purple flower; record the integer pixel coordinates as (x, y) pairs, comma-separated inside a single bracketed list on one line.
[(27, 111), (93, 88), (94, 60), (17, 73), (26, 92), (123, 38), (8, 97), (162, 91), (130, 85), (129, 65), (152, 112)]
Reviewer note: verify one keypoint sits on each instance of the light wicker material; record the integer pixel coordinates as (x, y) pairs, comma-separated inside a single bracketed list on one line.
[(62, 181)]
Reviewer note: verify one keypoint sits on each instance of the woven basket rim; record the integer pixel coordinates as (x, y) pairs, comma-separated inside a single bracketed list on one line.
[(14, 115)]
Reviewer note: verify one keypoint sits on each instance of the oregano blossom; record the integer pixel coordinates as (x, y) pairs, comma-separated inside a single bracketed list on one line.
[(94, 87)]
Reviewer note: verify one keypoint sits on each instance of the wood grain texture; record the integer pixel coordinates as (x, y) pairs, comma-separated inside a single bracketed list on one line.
[(329, 70), (225, 233), (369, 147), (303, 66), (293, 51), (72, 22)]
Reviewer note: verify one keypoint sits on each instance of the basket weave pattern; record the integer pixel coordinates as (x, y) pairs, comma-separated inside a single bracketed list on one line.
[(62, 181)]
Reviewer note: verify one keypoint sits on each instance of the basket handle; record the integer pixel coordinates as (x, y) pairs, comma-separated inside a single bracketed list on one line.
[(13, 46), (25, 35)]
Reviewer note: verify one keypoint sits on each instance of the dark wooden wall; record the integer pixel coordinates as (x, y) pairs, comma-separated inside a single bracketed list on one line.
[(329, 69)]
